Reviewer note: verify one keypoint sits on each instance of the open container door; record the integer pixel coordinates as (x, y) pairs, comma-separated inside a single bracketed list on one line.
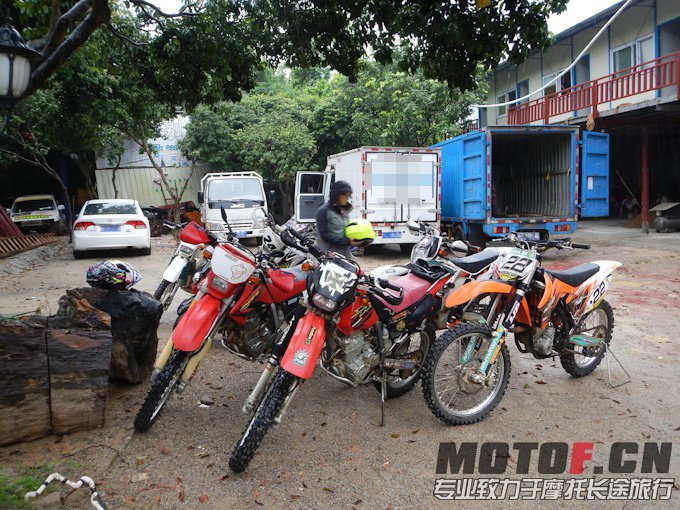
[(474, 191), (309, 195), (595, 175)]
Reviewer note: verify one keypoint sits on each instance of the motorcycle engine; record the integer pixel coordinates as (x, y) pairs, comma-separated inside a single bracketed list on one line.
[(544, 345), (357, 356), (257, 337)]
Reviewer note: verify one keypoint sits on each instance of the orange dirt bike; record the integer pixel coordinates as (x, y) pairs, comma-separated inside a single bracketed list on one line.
[(550, 313)]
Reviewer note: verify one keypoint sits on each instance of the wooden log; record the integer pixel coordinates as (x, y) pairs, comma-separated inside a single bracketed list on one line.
[(79, 377), (24, 381), (134, 322)]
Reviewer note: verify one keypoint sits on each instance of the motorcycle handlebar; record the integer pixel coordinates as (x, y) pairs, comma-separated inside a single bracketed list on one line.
[(387, 296)]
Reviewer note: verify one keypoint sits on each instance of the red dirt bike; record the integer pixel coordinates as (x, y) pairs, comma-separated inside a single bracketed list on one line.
[(245, 298), (358, 331)]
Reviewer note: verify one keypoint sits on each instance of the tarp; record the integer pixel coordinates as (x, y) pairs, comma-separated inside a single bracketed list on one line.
[(7, 227)]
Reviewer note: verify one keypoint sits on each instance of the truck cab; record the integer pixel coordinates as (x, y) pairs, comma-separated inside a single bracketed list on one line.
[(239, 194)]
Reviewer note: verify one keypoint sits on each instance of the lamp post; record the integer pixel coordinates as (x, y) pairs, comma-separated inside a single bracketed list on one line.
[(15, 69)]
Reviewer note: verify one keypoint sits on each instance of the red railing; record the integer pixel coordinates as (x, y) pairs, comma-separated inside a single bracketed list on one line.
[(656, 74), (470, 125)]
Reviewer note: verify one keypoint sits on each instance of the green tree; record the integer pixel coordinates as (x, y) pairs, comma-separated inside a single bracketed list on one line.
[(210, 48)]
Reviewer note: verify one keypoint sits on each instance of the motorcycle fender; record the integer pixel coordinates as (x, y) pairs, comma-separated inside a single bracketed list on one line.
[(196, 323), (305, 346), (174, 269), (471, 290)]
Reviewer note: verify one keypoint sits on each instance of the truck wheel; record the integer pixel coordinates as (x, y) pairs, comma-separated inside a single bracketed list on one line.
[(458, 233), (406, 248)]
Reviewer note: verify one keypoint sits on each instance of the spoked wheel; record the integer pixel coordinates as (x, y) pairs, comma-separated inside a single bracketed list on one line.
[(598, 323), (160, 390), (165, 292), (261, 421), (451, 387), (414, 348)]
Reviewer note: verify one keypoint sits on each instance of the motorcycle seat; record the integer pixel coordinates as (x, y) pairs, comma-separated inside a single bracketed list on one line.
[(414, 289), (475, 263), (576, 275), (292, 279)]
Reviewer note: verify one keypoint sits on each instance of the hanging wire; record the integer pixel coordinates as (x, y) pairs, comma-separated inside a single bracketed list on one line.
[(566, 70)]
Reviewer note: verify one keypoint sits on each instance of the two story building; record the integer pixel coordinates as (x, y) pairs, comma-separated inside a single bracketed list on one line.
[(627, 85)]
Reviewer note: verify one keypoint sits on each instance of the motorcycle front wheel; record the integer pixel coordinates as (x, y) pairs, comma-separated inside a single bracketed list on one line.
[(261, 421), (449, 373), (165, 292), (160, 390)]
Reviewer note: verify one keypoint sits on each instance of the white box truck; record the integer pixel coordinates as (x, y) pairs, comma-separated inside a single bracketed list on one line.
[(390, 186), (239, 193)]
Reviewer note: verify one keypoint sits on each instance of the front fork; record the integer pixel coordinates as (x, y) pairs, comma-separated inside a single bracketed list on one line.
[(497, 339)]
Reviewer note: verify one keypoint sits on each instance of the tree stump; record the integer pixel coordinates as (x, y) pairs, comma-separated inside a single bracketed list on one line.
[(134, 322), (24, 381)]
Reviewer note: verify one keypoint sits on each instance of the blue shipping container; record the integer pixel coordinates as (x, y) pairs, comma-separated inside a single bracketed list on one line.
[(523, 178)]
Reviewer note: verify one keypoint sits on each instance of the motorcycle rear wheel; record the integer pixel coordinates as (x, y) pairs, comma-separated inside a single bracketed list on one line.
[(396, 384), (160, 391), (261, 421), (599, 323)]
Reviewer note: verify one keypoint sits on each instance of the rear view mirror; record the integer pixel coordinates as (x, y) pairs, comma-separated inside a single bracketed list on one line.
[(413, 225), (200, 197), (60, 207), (272, 197)]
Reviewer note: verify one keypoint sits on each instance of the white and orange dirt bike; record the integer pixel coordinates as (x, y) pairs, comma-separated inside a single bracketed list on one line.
[(550, 313), (245, 298)]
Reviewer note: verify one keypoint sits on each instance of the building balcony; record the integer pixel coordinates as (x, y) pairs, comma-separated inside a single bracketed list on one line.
[(656, 78)]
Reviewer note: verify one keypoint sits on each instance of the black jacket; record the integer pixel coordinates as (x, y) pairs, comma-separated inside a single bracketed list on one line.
[(331, 220)]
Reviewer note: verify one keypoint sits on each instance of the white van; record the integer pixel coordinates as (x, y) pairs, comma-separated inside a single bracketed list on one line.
[(37, 212)]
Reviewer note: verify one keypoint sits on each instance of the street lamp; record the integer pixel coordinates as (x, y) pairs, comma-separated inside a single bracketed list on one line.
[(15, 69)]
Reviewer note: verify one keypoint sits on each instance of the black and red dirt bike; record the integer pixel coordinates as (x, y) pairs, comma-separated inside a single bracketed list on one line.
[(356, 330)]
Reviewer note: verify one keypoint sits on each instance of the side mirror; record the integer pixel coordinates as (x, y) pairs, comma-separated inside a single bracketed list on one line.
[(273, 198), (413, 225), (201, 197), (260, 218), (61, 207), (459, 248)]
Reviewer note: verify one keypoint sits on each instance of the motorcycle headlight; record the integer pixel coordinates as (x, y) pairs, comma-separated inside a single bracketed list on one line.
[(187, 251), (323, 303), (423, 249), (219, 284)]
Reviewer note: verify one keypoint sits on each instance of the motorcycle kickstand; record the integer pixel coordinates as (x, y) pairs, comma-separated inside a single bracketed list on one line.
[(383, 394), (609, 372)]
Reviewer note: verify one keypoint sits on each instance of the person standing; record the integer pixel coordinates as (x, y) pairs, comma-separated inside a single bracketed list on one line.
[(332, 218)]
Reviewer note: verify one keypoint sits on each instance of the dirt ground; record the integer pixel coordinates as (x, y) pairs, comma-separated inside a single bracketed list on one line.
[(330, 452)]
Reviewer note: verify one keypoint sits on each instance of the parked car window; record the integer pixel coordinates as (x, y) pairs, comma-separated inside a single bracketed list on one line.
[(25, 206), (109, 208)]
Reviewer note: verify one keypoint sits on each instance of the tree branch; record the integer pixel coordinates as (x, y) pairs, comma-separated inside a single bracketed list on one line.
[(142, 3), (115, 32), (56, 35), (99, 14)]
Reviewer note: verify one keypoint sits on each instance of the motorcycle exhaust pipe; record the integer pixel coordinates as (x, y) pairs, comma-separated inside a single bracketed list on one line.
[(256, 395)]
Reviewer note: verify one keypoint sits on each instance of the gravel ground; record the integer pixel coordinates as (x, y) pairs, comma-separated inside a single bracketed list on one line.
[(330, 451)]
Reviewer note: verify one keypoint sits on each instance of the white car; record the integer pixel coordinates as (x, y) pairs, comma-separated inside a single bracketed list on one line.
[(111, 223)]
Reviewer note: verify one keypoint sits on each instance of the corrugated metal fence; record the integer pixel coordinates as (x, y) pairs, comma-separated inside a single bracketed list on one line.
[(141, 184)]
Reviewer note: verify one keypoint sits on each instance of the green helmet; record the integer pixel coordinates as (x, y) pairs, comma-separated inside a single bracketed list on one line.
[(360, 230)]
